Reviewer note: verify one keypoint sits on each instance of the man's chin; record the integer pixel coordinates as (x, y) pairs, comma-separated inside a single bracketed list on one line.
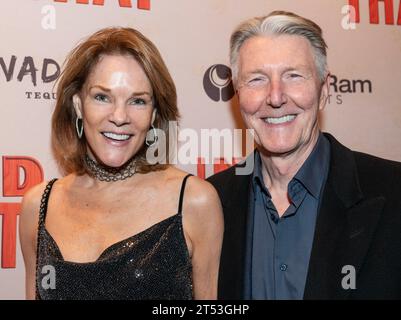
[(276, 149)]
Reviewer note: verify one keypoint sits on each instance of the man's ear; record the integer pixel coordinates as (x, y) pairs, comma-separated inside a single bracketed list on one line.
[(76, 100), (153, 116), (325, 91)]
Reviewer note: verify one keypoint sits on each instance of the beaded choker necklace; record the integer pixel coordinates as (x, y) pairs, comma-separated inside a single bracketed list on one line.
[(108, 174)]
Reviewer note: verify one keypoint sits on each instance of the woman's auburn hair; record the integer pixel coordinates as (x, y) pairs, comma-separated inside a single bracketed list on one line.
[(69, 151)]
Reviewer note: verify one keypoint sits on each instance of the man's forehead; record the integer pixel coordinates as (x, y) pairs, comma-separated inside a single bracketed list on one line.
[(273, 42), (283, 51)]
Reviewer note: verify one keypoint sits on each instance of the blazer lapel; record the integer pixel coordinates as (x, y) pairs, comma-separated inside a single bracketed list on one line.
[(344, 228), (235, 204)]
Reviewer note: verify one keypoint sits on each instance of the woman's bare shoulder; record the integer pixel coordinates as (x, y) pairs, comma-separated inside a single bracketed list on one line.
[(32, 198), (197, 191), (201, 200), (29, 215)]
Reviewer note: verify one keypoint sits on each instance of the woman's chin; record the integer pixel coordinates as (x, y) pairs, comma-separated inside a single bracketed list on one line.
[(113, 163)]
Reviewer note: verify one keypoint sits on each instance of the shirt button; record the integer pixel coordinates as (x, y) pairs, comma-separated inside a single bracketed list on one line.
[(283, 267)]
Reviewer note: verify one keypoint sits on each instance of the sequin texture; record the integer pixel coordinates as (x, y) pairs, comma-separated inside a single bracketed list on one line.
[(153, 264)]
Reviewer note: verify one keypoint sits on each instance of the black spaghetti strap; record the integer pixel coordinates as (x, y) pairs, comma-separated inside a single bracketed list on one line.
[(44, 202), (42, 216), (184, 182)]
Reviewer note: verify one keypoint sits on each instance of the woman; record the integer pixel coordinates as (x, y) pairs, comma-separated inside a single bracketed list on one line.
[(116, 226)]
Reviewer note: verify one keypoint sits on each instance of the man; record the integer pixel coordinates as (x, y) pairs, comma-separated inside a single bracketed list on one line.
[(314, 220)]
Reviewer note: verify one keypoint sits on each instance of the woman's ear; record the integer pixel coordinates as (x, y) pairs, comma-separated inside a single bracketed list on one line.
[(76, 100)]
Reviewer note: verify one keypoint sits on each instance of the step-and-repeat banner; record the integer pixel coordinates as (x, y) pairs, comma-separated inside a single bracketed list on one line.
[(364, 109)]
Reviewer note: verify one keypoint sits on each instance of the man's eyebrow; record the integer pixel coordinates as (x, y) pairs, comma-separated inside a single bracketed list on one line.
[(296, 67), (259, 70), (250, 73)]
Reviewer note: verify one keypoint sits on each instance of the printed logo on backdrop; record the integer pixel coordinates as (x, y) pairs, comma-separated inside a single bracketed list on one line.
[(49, 11), (141, 4), (38, 72), (49, 19), (18, 174), (30, 71), (217, 83), (340, 88), (352, 12)]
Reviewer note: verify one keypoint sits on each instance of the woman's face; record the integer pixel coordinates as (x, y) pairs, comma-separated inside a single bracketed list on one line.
[(116, 106)]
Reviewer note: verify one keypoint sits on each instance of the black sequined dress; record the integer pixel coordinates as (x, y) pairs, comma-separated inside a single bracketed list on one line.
[(153, 264)]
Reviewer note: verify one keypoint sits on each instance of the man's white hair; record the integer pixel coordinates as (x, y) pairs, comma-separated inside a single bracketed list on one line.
[(278, 23)]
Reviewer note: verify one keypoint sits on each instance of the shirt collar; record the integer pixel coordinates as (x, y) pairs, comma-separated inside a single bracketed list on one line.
[(312, 173), (257, 177)]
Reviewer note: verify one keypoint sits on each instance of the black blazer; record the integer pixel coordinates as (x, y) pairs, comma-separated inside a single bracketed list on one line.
[(358, 224)]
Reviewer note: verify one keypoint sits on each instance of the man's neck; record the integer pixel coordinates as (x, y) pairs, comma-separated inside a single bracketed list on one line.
[(278, 170)]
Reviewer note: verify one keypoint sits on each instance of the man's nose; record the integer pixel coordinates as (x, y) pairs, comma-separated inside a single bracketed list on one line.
[(276, 96)]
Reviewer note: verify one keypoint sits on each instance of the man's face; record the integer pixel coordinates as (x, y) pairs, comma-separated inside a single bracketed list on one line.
[(280, 92)]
